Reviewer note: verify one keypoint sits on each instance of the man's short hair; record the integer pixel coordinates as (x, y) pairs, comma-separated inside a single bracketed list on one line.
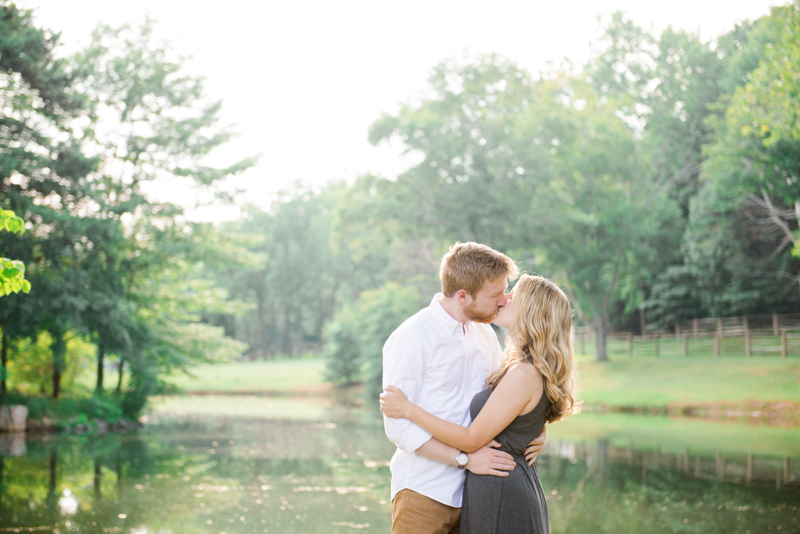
[(468, 265)]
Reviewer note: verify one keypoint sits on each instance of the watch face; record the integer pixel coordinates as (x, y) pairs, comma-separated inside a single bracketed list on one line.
[(462, 459)]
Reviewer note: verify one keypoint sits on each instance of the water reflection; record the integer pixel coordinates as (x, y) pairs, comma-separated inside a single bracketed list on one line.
[(208, 470)]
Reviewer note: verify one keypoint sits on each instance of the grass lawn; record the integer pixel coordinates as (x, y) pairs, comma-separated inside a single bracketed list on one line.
[(642, 382), (256, 376), (658, 382), (295, 408)]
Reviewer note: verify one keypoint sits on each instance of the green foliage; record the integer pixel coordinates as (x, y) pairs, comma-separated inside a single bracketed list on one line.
[(744, 220), (103, 408), (540, 164), (769, 104), (342, 350), (12, 272), (30, 364), (356, 336), (84, 409)]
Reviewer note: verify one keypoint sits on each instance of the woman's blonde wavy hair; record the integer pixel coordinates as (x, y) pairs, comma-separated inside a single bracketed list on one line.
[(541, 334)]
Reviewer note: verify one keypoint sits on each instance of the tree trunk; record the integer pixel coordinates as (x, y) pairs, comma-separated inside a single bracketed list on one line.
[(642, 322), (4, 363), (300, 336), (601, 332), (286, 338), (101, 355), (56, 383), (59, 349), (261, 313), (121, 369)]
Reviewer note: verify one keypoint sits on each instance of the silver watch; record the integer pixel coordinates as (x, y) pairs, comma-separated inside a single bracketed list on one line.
[(462, 459)]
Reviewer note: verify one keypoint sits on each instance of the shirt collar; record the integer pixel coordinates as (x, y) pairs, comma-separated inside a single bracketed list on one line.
[(444, 319)]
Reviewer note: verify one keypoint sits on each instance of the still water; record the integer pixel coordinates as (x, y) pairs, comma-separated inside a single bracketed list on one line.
[(252, 465)]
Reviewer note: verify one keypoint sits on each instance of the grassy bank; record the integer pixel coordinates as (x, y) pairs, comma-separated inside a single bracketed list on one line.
[(258, 377), (643, 383), (660, 382)]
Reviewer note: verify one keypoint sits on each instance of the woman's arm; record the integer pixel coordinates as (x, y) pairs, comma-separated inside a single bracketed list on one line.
[(509, 399)]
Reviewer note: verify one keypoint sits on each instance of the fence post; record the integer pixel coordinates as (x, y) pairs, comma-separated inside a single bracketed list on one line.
[(717, 343), (630, 344), (775, 324), (784, 345), (686, 345), (694, 328), (719, 327), (583, 344), (747, 350), (655, 338)]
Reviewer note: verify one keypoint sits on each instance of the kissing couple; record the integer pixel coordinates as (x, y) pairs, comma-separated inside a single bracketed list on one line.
[(467, 417)]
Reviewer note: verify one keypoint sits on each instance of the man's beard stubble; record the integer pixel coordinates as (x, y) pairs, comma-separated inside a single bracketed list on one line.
[(472, 313)]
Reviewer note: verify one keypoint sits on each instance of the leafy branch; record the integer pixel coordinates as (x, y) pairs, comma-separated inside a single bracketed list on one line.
[(12, 272)]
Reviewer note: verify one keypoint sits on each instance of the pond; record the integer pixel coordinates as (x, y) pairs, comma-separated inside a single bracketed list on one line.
[(255, 464)]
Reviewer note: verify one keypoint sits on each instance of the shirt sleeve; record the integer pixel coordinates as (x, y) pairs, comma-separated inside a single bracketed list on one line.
[(403, 367)]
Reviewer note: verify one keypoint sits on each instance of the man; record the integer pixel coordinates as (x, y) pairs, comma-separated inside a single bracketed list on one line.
[(440, 358)]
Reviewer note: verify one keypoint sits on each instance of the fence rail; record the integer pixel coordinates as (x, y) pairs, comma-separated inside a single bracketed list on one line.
[(760, 335)]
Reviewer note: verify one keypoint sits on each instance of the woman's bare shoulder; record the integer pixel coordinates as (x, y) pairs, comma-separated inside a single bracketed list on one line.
[(526, 373)]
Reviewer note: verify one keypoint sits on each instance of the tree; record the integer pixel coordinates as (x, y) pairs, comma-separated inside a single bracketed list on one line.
[(530, 166), (744, 220), (607, 221), (476, 156), (148, 121), (101, 247), (42, 172)]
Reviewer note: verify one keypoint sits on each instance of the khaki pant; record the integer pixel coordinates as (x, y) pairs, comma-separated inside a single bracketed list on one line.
[(414, 513)]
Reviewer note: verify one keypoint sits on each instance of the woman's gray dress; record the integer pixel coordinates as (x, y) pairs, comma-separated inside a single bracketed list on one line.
[(514, 504)]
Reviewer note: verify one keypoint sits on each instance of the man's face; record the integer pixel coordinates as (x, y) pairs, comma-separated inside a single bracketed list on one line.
[(487, 302)]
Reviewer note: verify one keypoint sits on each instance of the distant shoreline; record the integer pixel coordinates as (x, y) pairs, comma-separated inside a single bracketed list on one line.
[(777, 413)]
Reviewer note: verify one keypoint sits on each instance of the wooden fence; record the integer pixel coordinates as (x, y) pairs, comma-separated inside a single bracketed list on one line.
[(760, 335)]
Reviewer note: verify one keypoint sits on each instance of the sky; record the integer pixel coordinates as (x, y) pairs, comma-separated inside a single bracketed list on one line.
[(301, 81)]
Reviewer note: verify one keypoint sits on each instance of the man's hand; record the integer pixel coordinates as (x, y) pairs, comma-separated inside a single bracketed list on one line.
[(489, 461), (535, 447)]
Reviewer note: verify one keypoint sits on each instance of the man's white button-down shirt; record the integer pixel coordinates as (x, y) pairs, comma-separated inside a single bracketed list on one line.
[(440, 364)]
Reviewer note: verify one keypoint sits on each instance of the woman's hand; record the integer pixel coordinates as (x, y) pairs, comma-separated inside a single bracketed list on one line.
[(394, 403)]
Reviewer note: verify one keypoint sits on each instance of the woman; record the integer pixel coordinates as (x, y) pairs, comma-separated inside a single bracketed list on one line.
[(535, 384)]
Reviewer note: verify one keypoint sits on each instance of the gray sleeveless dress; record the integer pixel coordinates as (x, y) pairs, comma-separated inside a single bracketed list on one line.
[(514, 504)]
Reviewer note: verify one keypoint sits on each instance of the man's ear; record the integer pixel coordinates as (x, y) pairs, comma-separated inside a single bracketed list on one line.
[(461, 295)]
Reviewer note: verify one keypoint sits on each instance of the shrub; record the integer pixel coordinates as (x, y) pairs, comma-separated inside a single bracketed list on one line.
[(101, 407), (355, 339)]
